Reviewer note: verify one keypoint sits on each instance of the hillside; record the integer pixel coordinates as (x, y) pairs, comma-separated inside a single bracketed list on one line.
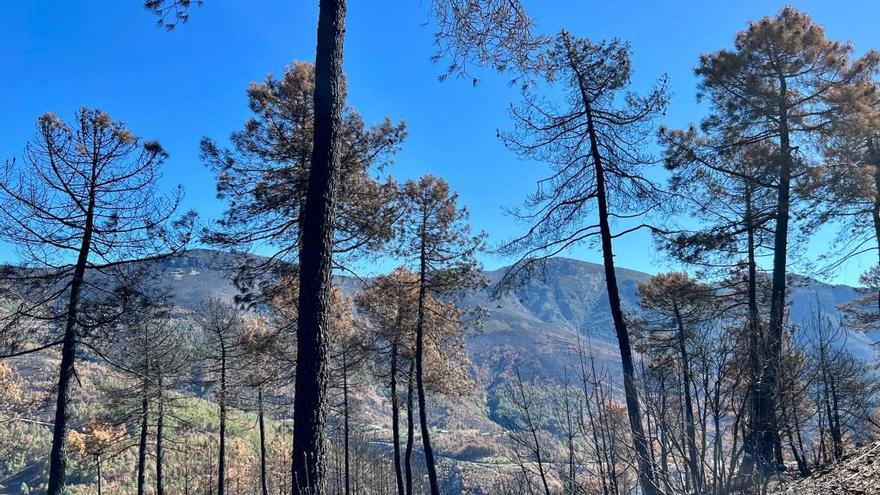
[(538, 327)]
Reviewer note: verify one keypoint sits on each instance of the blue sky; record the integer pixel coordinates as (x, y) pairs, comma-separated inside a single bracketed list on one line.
[(179, 86)]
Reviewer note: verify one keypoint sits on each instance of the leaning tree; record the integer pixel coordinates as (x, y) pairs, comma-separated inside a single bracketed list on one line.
[(594, 141), (82, 208)]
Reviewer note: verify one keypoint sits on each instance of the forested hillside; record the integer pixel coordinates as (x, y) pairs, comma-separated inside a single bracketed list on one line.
[(324, 322)]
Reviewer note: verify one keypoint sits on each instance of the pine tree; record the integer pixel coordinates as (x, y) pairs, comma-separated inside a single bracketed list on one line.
[(436, 240), (80, 209), (593, 142), (774, 88)]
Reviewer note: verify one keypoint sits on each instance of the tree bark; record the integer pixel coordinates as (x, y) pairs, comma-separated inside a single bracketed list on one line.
[(646, 470), (690, 428), (315, 258), (58, 455), (645, 466), (346, 425), (768, 435), (410, 430), (395, 420), (160, 449), (420, 349), (221, 455), (142, 444), (100, 481), (874, 155), (264, 478), (753, 443)]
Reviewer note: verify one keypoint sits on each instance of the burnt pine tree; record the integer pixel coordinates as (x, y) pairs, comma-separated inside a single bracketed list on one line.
[(728, 191), (593, 141), (145, 354), (222, 350), (677, 308), (390, 305), (267, 180), (436, 240), (845, 190), (80, 208), (266, 375), (776, 87), (318, 220), (263, 180)]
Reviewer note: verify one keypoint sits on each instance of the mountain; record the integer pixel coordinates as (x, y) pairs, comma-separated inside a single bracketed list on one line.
[(539, 321)]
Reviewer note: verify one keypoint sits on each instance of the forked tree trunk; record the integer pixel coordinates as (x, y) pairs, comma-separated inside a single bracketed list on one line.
[(420, 350), (315, 258), (768, 445)]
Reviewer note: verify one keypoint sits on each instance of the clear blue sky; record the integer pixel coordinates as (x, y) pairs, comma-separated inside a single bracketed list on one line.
[(179, 86)]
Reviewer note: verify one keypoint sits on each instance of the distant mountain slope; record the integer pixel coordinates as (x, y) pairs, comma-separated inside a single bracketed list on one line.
[(538, 321)]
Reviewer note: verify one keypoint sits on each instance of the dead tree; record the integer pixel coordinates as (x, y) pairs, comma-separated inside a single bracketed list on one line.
[(81, 209)]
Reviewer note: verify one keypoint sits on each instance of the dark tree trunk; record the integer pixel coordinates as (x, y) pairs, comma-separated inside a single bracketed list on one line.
[(690, 427), (142, 444), (645, 466), (346, 425), (264, 477), (221, 455), (58, 455), (395, 420), (768, 434), (100, 481), (646, 471), (420, 349), (160, 448), (410, 430), (315, 259), (761, 443), (874, 155)]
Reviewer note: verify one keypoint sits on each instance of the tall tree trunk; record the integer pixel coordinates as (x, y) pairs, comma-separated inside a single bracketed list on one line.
[(646, 470), (142, 444), (420, 350), (410, 429), (757, 452), (645, 466), (346, 424), (769, 433), (58, 455), (315, 258), (690, 429), (264, 475), (160, 432), (221, 455), (395, 420)]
